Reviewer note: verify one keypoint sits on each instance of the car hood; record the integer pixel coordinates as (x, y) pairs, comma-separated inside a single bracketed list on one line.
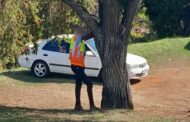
[(134, 59)]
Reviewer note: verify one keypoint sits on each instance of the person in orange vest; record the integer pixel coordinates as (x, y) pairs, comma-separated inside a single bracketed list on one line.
[(77, 59)]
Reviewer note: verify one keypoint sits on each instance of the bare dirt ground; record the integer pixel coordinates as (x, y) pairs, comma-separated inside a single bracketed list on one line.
[(165, 92)]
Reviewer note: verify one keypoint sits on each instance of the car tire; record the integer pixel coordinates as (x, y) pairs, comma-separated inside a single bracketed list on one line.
[(40, 69)]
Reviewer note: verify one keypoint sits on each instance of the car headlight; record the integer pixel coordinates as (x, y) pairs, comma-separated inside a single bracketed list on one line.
[(142, 65), (133, 66), (137, 66)]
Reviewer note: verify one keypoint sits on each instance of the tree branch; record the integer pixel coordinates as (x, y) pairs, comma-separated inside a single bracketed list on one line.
[(2, 4), (128, 16), (83, 14), (100, 10)]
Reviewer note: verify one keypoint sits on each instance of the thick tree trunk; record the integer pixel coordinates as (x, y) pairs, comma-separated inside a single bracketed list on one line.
[(116, 85), (116, 96)]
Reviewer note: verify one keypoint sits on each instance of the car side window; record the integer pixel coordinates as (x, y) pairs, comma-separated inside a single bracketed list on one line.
[(51, 46), (47, 46), (55, 47), (87, 48), (65, 46)]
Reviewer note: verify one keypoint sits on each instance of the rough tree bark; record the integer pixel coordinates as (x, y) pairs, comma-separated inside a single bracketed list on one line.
[(111, 36)]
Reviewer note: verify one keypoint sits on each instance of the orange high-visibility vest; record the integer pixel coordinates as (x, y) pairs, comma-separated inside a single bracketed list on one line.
[(76, 53)]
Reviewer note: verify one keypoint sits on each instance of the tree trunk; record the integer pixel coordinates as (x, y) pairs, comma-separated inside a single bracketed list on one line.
[(186, 21), (186, 30), (116, 85)]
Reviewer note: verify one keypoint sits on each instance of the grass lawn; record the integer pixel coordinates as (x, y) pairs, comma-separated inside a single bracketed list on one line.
[(159, 51), (30, 115), (23, 77)]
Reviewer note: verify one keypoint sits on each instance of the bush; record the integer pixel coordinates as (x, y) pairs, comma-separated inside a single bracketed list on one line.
[(167, 16)]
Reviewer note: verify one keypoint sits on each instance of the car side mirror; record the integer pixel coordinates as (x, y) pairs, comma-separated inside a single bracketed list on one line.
[(90, 53)]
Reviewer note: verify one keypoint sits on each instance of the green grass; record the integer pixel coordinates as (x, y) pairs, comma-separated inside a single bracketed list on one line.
[(23, 77), (8, 114), (159, 51)]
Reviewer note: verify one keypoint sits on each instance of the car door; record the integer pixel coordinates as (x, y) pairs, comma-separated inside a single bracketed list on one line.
[(91, 59), (57, 60)]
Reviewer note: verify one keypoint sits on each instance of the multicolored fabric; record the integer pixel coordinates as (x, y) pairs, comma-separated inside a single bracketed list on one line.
[(77, 49)]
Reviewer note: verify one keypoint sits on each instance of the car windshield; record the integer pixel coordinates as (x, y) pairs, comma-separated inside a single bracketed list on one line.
[(91, 43)]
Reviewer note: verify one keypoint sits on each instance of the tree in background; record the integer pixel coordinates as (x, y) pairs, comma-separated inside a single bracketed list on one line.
[(111, 31), (19, 25), (25, 21), (141, 30), (185, 20), (169, 17), (2, 4), (57, 18)]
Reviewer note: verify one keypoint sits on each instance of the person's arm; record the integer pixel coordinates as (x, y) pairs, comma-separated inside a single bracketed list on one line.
[(71, 46), (87, 36)]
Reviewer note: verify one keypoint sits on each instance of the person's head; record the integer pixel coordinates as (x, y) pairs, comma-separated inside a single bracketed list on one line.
[(78, 30)]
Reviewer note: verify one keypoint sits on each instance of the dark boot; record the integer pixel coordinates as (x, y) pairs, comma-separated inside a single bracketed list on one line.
[(78, 107)]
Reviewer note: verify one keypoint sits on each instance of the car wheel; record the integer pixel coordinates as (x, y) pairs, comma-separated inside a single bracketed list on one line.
[(40, 69)]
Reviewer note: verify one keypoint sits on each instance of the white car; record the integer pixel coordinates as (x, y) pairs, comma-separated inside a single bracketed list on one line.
[(49, 59)]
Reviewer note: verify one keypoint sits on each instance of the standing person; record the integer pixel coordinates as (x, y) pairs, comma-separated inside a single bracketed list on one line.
[(77, 58)]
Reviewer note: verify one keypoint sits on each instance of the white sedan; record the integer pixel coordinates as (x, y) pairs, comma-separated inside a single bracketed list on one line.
[(50, 59)]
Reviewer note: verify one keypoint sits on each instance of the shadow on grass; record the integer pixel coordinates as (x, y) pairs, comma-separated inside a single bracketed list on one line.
[(26, 76), (27, 114), (45, 111), (187, 47)]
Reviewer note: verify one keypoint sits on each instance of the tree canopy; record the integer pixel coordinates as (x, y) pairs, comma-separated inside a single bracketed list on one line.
[(169, 17), (19, 24)]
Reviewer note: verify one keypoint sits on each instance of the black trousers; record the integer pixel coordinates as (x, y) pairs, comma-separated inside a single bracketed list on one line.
[(81, 77)]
